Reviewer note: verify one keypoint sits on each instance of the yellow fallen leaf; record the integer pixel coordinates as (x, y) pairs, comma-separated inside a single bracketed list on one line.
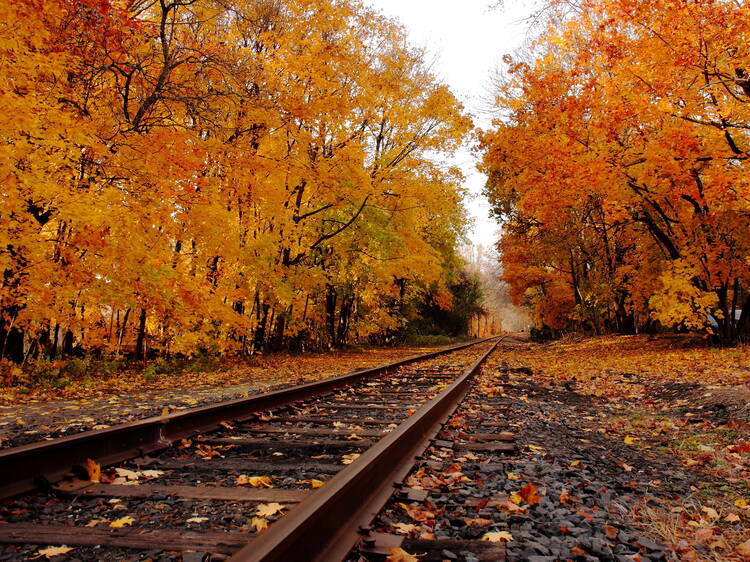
[(354, 437), (52, 551), (269, 509), (122, 522), (732, 518), (497, 536), (512, 476), (575, 463), (95, 522), (316, 483), (128, 474), (197, 519), (165, 411), (710, 512), (741, 503), (254, 481), (400, 555), (349, 459), (629, 440), (259, 524), (94, 470), (404, 528)]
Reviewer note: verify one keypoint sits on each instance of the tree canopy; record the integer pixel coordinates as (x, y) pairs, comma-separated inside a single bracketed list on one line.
[(217, 174), (618, 166)]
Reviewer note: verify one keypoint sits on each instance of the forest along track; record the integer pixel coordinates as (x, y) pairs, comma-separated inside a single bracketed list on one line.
[(204, 483)]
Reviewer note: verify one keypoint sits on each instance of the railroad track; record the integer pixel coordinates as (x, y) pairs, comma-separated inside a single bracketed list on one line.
[(315, 463)]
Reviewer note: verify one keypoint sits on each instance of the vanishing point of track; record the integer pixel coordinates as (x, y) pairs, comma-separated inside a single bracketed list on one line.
[(378, 420)]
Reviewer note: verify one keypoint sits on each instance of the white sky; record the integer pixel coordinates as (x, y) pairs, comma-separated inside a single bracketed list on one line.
[(468, 40)]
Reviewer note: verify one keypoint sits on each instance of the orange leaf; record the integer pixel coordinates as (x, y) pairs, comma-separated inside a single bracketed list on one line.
[(529, 493)]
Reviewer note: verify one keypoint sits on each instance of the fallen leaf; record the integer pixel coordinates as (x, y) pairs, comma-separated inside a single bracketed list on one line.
[(93, 470), (497, 536), (702, 535), (529, 493), (710, 512), (197, 519), (349, 459), (732, 518), (259, 524), (269, 509), (479, 522), (611, 532), (128, 474), (744, 548), (404, 528), (400, 555), (95, 522), (629, 440), (254, 481), (52, 551), (122, 522), (566, 498), (512, 476)]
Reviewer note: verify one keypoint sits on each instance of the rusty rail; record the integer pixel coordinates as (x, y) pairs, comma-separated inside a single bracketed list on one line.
[(329, 524), (28, 467)]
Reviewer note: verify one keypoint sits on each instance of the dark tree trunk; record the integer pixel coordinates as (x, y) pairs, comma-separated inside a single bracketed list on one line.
[(743, 325), (140, 344), (347, 304), (331, 300), (12, 344), (67, 344), (55, 342), (260, 331)]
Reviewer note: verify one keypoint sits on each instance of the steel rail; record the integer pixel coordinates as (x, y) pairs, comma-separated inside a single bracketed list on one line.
[(327, 525), (28, 467)]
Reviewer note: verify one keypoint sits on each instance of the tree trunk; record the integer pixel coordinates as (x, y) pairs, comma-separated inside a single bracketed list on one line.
[(743, 325), (12, 345), (260, 331), (331, 300), (345, 314), (67, 344), (140, 344), (55, 342)]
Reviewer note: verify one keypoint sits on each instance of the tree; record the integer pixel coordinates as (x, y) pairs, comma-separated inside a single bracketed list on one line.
[(621, 165), (188, 175)]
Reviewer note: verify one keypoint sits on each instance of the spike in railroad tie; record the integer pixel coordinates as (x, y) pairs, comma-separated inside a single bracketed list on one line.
[(380, 543)]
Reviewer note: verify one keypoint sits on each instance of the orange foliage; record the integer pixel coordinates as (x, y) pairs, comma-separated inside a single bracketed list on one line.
[(216, 175), (619, 170)]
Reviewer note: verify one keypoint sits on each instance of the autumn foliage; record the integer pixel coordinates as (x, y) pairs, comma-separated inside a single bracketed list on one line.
[(618, 166), (225, 175)]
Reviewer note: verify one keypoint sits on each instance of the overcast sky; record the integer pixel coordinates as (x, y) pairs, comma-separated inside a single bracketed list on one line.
[(468, 39)]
